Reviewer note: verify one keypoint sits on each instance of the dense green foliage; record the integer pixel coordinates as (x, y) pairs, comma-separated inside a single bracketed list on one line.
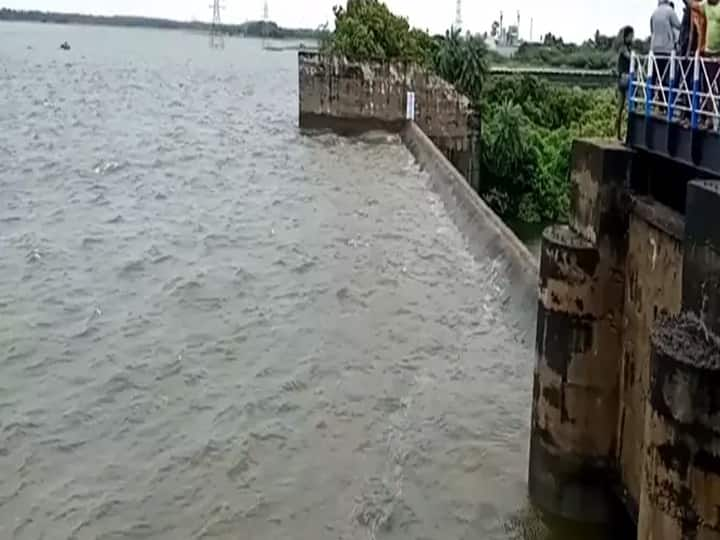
[(571, 56), (528, 129), (368, 30), (597, 53), (528, 125), (462, 61)]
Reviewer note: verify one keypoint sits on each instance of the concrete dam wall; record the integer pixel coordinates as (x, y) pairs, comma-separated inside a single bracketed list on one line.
[(352, 97), (626, 398)]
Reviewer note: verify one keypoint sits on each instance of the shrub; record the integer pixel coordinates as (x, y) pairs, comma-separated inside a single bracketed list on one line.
[(368, 30)]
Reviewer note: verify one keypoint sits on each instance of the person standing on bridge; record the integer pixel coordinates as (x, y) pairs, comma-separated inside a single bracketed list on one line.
[(625, 43), (709, 10), (664, 26), (688, 40)]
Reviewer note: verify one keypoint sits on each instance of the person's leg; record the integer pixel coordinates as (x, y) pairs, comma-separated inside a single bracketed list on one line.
[(622, 98)]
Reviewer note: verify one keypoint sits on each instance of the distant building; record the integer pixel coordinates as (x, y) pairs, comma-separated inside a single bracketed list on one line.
[(504, 40)]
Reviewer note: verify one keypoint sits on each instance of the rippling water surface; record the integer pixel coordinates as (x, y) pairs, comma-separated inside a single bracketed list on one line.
[(215, 326)]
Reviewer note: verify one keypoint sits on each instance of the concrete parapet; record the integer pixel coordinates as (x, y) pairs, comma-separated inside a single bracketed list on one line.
[(579, 339), (486, 233), (681, 475), (627, 383), (598, 175), (353, 97), (575, 387)]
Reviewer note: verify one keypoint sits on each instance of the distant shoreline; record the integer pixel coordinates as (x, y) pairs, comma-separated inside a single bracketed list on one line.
[(260, 29)]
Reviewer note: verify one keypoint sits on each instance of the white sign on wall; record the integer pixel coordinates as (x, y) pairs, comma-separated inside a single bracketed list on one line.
[(410, 107)]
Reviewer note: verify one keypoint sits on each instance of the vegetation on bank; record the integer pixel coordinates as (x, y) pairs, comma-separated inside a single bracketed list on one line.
[(251, 28), (596, 53), (527, 125)]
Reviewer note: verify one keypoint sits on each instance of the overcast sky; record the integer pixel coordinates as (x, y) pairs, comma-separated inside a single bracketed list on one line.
[(573, 19)]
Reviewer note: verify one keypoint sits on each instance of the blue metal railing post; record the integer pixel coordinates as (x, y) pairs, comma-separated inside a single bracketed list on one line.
[(671, 90), (649, 90), (695, 105)]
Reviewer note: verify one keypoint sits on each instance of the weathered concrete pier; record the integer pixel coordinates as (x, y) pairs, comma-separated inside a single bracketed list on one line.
[(579, 341), (627, 381), (681, 473), (626, 400)]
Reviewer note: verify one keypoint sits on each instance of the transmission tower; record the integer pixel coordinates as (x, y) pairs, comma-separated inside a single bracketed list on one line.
[(217, 39), (458, 15), (266, 22)]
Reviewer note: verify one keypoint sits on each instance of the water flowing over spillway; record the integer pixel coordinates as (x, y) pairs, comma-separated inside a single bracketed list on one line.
[(215, 326)]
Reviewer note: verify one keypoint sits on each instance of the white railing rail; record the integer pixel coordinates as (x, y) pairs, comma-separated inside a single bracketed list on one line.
[(682, 89)]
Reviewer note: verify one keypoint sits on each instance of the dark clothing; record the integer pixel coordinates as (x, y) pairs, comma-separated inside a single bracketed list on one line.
[(688, 39), (662, 75), (623, 68), (623, 65), (684, 37)]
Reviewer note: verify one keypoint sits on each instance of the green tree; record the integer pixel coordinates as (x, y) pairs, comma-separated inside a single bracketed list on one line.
[(506, 161), (368, 30), (528, 129), (462, 61)]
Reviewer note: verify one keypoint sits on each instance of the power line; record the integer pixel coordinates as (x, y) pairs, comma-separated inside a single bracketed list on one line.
[(217, 39)]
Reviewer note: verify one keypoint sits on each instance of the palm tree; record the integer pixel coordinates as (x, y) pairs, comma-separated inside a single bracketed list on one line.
[(462, 61)]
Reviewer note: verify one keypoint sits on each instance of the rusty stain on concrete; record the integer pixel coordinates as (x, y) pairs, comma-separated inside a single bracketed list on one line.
[(575, 394), (653, 289), (681, 478), (598, 175)]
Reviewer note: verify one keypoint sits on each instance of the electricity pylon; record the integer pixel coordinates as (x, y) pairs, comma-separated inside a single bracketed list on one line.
[(458, 15), (266, 22), (217, 39)]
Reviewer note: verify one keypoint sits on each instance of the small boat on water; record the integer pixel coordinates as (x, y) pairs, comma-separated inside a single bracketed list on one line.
[(65, 46)]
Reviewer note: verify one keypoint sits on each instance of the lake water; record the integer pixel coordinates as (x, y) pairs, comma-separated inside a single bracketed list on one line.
[(213, 326)]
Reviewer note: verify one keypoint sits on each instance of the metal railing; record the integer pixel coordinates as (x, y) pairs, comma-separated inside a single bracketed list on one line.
[(681, 89)]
